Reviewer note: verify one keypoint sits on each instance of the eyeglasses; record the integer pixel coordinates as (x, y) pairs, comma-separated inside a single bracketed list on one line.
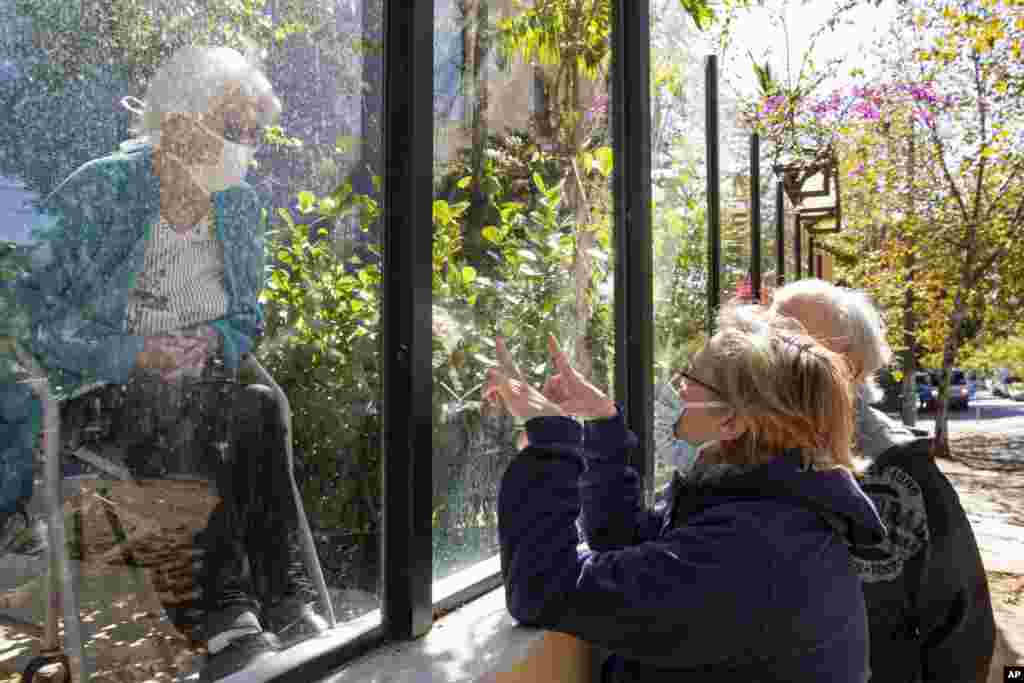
[(685, 374), (235, 131)]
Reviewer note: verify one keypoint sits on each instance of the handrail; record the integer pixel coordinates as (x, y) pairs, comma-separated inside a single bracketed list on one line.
[(62, 595)]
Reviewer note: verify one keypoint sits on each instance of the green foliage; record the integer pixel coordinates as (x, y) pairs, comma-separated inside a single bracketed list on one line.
[(700, 11), (997, 352), (323, 313), (323, 308), (572, 33), (134, 36), (13, 319)]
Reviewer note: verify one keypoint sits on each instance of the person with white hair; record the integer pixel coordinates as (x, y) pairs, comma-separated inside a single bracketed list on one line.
[(929, 607), (148, 273)]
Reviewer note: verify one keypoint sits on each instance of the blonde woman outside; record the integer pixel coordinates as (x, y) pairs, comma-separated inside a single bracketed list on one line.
[(744, 574), (929, 607)]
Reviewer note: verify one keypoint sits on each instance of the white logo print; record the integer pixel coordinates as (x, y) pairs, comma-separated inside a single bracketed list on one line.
[(901, 506)]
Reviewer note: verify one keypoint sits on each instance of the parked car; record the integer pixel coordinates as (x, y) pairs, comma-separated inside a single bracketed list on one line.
[(1001, 385), (974, 382), (1015, 388), (927, 392), (960, 392)]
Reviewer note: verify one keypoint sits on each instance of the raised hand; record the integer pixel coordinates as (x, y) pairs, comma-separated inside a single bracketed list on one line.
[(572, 392), (507, 383)]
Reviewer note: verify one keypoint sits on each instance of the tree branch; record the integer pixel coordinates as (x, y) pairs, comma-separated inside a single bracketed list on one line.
[(954, 188), (979, 89), (1014, 173), (985, 264)]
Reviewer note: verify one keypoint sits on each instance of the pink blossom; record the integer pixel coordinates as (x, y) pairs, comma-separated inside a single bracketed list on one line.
[(773, 103), (924, 116), (867, 110)]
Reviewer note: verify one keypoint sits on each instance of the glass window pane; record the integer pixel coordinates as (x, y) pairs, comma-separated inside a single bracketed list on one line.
[(680, 211), (190, 259), (790, 228), (768, 256), (735, 203), (522, 216)]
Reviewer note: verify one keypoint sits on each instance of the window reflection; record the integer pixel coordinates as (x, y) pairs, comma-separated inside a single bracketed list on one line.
[(679, 217), (190, 261), (522, 217)]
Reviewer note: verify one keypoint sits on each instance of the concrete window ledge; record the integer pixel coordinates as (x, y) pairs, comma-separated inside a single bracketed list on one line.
[(478, 642)]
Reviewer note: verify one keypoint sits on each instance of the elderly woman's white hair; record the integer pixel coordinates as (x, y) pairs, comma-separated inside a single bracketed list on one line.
[(191, 79), (845, 320)]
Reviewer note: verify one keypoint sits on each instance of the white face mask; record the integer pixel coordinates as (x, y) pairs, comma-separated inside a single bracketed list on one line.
[(228, 171)]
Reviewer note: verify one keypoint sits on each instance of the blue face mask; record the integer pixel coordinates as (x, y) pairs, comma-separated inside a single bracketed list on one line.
[(682, 455), (669, 408)]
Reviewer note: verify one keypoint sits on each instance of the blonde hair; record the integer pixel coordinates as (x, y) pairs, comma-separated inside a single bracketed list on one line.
[(792, 392), (855, 327)]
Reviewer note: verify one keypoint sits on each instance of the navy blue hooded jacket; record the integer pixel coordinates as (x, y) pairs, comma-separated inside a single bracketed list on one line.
[(749, 580)]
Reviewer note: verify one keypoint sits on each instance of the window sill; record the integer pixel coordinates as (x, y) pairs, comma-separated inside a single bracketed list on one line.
[(477, 641)]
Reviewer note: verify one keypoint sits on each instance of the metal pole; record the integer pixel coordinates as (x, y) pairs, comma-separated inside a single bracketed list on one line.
[(634, 258), (407, 377), (780, 235), (810, 256), (713, 187), (755, 217), (797, 247)]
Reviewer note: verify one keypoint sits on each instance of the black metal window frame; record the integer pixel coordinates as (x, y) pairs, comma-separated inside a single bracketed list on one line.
[(408, 608), (714, 190)]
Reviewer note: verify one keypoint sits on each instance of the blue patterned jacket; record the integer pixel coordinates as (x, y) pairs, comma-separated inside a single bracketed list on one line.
[(91, 232)]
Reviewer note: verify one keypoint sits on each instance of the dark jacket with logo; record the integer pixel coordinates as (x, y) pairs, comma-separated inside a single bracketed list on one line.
[(929, 608), (747, 579)]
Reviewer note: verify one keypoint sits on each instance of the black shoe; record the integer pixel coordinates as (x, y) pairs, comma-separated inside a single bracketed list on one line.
[(19, 535), (225, 624), (294, 620), (240, 653)]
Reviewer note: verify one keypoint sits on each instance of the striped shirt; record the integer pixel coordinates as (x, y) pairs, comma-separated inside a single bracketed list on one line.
[(181, 283)]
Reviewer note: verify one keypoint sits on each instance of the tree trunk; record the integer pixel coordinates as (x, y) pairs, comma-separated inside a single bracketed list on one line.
[(940, 446), (474, 34), (583, 270), (910, 399), (908, 407)]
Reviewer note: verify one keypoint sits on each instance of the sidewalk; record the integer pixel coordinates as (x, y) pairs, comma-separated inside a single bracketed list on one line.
[(988, 474)]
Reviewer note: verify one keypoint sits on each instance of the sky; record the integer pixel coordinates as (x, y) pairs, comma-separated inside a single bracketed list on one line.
[(757, 32)]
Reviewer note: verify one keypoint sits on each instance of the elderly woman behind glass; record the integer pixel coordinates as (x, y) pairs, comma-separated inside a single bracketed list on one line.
[(744, 573), (150, 266)]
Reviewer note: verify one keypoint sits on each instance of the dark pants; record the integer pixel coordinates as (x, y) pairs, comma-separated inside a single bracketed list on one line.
[(234, 436), (251, 545)]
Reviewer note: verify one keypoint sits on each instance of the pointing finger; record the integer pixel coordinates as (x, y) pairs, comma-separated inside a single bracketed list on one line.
[(558, 356), (505, 360)]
